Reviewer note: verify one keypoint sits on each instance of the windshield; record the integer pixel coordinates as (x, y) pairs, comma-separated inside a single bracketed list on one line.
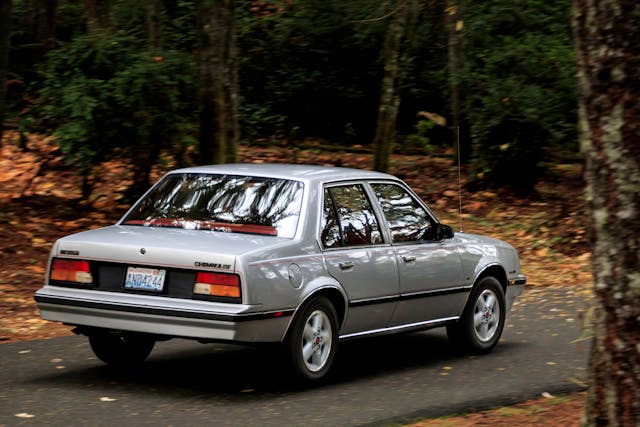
[(226, 203)]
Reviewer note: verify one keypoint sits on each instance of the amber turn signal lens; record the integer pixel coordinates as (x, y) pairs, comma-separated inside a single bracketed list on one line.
[(217, 284)]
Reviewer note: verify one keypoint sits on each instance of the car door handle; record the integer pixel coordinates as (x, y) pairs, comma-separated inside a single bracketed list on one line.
[(346, 265), (408, 258)]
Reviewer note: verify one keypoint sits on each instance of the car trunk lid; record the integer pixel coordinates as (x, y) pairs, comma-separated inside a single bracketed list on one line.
[(162, 246)]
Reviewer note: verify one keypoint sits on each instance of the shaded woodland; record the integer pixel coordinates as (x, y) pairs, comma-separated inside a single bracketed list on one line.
[(193, 79)]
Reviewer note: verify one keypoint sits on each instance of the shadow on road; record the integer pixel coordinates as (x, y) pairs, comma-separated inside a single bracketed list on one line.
[(190, 369)]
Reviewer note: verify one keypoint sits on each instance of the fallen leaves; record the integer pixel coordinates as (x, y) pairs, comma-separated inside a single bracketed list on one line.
[(36, 269), (445, 370), (546, 411), (25, 415)]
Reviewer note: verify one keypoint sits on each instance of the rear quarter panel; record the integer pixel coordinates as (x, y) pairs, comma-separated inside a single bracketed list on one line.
[(280, 279)]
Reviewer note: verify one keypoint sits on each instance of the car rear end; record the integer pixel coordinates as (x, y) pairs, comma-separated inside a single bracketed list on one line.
[(169, 266), (136, 286)]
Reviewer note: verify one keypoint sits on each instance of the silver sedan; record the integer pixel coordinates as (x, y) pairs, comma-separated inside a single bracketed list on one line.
[(305, 256)]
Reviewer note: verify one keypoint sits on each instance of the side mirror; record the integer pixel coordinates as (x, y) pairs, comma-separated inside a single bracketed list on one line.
[(444, 232)]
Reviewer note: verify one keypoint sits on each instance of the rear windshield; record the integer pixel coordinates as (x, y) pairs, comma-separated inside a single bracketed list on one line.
[(225, 203)]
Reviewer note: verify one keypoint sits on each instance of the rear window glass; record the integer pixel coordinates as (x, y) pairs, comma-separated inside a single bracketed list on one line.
[(225, 203)]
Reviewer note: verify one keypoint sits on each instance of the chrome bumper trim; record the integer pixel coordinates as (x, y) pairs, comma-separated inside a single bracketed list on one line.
[(177, 318)]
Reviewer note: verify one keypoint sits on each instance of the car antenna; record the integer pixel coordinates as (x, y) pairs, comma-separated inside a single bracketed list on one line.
[(459, 176)]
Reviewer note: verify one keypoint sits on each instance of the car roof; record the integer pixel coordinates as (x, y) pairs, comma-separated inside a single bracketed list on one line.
[(308, 173)]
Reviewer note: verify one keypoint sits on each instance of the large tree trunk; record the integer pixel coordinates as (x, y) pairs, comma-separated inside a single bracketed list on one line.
[(214, 29), (454, 24), (385, 135), (232, 132), (154, 15), (147, 152), (608, 56), (44, 23), (5, 48), (97, 16)]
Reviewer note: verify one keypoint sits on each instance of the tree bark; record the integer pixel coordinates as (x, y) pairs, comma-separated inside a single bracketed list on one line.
[(5, 48), (454, 24), (385, 135), (218, 82), (147, 151), (231, 88), (608, 59), (44, 23), (97, 16), (154, 14)]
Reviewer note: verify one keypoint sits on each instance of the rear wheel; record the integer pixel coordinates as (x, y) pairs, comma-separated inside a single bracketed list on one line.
[(121, 349), (483, 319), (312, 341)]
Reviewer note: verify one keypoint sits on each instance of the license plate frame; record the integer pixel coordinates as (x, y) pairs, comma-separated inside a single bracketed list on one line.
[(145, 279)]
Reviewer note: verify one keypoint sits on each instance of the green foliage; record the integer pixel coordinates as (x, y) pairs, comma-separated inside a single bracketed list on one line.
[(107, 95), (423, 131), (519, 87), (307, 68)]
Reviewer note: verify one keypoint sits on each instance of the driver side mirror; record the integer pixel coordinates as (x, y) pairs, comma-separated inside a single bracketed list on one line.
[(444, 232)]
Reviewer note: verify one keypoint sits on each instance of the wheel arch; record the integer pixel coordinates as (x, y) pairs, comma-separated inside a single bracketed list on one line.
[(493, 270), (334, 294), (464, 335)]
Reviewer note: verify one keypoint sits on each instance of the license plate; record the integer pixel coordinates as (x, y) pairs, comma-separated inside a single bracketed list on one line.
[(148, 279)]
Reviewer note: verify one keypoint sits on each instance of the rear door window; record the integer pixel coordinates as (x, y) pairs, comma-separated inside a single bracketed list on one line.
[(348, 218)]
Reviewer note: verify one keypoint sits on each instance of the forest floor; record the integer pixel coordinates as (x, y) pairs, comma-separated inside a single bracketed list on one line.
[(40, 201)]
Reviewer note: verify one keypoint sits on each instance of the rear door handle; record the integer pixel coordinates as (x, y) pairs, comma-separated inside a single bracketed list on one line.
[(346, 265), (408, 258)]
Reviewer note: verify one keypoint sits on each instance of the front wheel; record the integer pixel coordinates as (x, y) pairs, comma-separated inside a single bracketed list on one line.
[(121, 349), (312, 341), (483, 319)]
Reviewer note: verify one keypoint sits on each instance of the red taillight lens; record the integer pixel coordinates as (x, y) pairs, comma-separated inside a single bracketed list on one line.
[(217, 284), (70, 270)]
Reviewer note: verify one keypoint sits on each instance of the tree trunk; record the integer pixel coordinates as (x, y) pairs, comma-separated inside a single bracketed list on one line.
[(385, 135), (213, 30), (154, 14), (5, 48), (147, 151), (454, 24), (44, 23), (608, 58), (97, 16), (218, 82), (231, 88)]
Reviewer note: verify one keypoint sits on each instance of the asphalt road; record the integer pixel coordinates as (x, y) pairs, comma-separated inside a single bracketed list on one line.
[(376, 381)]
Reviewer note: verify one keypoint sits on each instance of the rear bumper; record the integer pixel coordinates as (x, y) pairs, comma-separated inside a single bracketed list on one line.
[(160, 315)]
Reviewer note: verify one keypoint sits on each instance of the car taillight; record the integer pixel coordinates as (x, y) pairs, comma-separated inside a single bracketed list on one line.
[(217, 284), (69, 270)]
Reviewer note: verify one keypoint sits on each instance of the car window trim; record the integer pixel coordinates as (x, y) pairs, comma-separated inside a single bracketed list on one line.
[(334, 209), (297, 233), (416, 198), (326, 186)]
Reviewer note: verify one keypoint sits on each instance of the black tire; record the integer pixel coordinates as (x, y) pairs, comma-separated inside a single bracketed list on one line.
[(312, 341), (121, 349), (480, 327)]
